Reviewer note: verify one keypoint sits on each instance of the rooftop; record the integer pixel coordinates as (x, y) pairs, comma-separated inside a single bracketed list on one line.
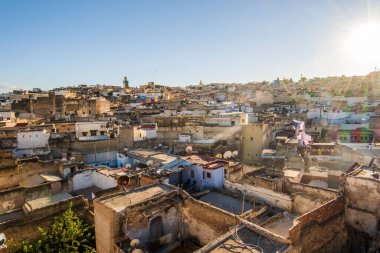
[(247, 241), (136, 196)]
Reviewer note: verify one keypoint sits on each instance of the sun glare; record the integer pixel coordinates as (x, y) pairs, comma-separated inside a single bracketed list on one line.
[(363, 44)]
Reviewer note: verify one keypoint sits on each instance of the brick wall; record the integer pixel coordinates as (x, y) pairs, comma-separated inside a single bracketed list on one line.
[(318, 215)]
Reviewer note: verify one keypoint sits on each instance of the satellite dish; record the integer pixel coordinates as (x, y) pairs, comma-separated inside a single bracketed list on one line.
[(125, 149), (189, 150), (2, 241), (227, 155), (127, 166), (219, 156), (72, 158), (64, 160), (149, 163), (235, 153)]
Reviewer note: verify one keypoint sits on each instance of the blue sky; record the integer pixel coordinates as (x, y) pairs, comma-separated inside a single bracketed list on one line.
[(52, 43)]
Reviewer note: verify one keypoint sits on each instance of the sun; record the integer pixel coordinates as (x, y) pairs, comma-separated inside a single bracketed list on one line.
[(363, 44)]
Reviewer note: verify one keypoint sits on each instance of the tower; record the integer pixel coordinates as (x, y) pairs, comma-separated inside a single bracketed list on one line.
[(125, 83)]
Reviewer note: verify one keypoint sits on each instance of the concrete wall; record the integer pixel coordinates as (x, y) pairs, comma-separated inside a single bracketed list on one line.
[(89, 178)]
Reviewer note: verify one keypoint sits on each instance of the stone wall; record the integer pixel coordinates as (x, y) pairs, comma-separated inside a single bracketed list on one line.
[(204, 223)]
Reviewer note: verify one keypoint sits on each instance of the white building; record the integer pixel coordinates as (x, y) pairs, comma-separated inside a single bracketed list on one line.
[(31, 143), (91, 131), (144, 132)]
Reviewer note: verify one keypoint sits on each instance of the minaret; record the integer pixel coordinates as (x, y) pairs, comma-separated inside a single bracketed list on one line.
[(126, 83)]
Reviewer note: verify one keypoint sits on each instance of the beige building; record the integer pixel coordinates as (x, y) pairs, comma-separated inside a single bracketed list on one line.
[(255, 138), (98, 106)]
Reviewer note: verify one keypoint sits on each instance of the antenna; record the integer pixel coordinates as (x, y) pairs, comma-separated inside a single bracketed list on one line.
[(189, 150), (227, 155)]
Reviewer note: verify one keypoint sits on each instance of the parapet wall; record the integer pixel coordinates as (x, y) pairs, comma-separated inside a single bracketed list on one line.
[(277, 199)]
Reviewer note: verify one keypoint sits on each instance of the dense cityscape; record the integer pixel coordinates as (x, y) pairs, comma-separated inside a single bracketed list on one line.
[(280, 166)]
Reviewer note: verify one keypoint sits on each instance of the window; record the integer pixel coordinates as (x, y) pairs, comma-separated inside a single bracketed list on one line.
[(208, 175), (84, 133), (93, 132), (192, 174), (251, 138), (102, 132)]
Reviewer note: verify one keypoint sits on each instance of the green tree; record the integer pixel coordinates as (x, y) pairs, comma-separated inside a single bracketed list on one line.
[(68, 234)]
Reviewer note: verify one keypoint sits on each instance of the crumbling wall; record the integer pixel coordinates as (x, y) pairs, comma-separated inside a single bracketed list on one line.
[(137, 225), (304, 203), (11, 199), (204, 223), (11, 177), (320, 230), (25, 228)]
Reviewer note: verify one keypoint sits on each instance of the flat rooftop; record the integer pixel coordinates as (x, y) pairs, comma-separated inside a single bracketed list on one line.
[(226, 202), (136, 196), (248, 241), (281, 224)]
